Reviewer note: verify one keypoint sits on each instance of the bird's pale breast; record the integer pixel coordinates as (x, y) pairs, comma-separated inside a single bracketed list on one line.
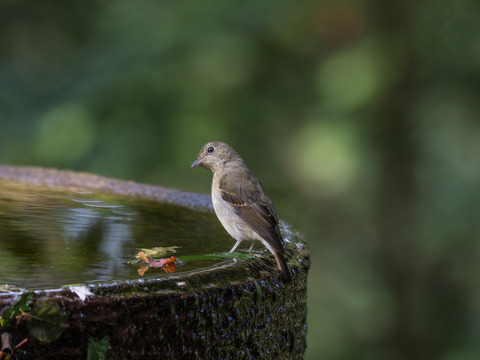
[(235, 226)]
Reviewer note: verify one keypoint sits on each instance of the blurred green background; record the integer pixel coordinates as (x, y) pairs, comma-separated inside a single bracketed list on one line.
[(361, 118)]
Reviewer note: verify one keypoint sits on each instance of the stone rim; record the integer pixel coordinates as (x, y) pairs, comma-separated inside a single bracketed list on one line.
[(67, 180)]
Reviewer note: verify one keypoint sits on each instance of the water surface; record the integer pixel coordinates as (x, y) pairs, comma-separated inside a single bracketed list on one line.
[(50, 238)]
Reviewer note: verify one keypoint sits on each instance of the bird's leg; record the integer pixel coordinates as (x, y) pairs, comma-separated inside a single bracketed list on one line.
[(251, 247), (235, 246)]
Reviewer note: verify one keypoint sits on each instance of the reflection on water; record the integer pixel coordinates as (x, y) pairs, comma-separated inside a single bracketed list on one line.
[(50, 238)]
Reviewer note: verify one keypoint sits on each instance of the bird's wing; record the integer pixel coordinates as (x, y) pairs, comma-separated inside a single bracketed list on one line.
[(253, 206)]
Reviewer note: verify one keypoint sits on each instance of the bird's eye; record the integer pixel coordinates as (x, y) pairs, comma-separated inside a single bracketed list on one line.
[(210, 149)]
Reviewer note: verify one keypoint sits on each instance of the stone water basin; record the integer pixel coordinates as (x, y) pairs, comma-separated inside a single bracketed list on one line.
[(61, 229)]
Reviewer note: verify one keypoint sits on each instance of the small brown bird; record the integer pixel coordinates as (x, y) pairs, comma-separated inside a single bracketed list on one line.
[(240, 202)]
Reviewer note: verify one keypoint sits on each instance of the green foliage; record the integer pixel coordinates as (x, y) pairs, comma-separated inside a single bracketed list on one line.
[(97, 349), (10, 313), (46, 321)]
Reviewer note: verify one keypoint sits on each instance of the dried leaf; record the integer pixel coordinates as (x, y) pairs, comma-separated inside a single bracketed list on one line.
[(162, 262), (142, 256), (143, 269), (160, 251), (169, 267), (81, 291), (168, 264)]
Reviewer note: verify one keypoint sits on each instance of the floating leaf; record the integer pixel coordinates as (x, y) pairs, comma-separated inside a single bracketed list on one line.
[(168, 264), (46, 321), (163, 262), (11, 313), (169, 267), (159, 251), (142, 256), (97, 349), (143, 269)]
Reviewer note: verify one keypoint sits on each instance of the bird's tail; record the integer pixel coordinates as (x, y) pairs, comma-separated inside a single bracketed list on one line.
[(282, 264)]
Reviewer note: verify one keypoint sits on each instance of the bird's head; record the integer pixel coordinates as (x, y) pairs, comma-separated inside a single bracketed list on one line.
[(214, 155)]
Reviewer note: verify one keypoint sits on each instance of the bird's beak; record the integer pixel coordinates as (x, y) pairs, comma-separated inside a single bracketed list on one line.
[(197, 162)]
